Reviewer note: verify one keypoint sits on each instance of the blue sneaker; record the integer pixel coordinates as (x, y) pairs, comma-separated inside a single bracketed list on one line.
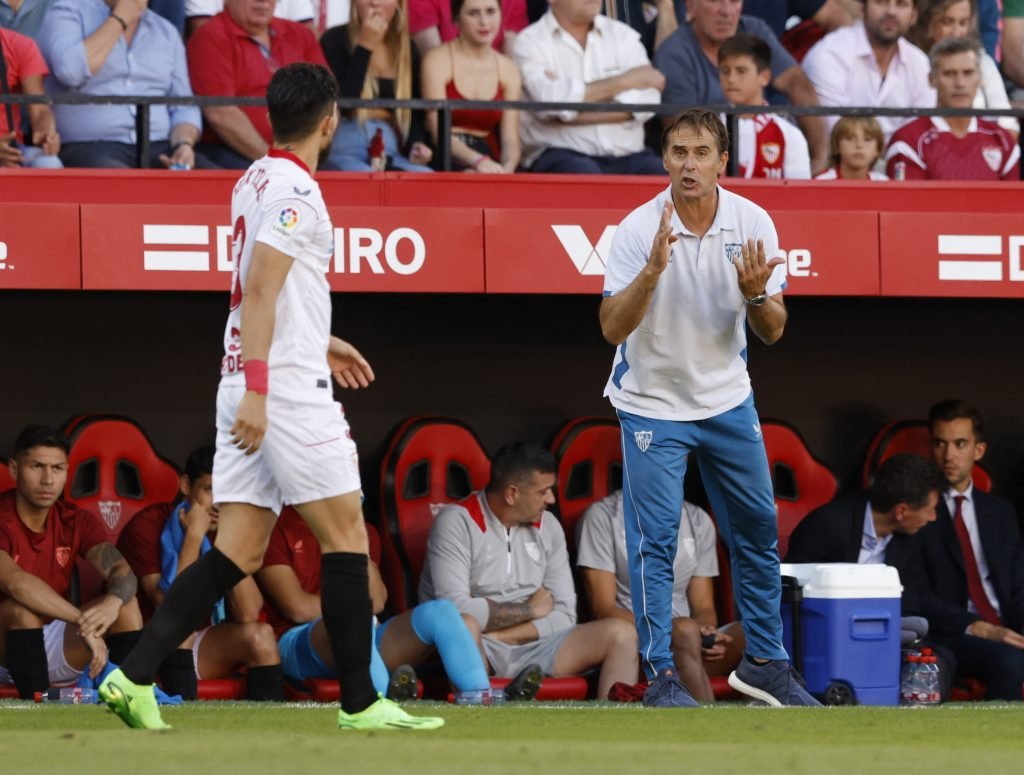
[(776, 683), (667, 691)]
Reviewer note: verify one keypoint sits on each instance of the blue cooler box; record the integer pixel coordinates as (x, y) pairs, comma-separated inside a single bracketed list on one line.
[(849, 631)]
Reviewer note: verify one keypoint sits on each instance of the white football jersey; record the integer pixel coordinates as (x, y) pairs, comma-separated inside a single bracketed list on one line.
[(278, 203)]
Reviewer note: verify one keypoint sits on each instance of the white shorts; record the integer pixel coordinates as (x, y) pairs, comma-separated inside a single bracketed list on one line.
[(195, 648), (61, 673), (506, 660), (307, 453)]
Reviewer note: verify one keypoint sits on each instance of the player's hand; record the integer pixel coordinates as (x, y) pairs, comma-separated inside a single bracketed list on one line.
[(349, 367), (95, 621), (717, 652), (541, 603), (372, 30), (98, 647), (983, 629), (10, 154), (661, 250), (753, 269), (198, 520), (250, 422), (420, 153)]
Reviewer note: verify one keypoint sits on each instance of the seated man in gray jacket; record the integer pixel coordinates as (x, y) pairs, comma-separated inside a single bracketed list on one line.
[(500, 556)]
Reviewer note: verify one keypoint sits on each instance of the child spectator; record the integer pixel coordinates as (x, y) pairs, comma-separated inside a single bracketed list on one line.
[(468, 68), (769, 146), (372, 58), (857, 144), (940, 19), (22, 68)]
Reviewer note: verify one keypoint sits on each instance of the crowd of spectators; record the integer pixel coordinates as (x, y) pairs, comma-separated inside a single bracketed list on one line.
[(842, 53)]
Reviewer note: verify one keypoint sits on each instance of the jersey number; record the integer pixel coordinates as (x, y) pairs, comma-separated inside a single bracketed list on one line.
[(237, 244)]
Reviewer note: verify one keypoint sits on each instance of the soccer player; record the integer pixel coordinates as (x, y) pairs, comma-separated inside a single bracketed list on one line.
[(163, 540), (280, 435), (41, 537), (770, 146), (677, 307)]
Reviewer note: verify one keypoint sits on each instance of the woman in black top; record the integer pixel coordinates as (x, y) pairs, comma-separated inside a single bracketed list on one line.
[(372, 57)]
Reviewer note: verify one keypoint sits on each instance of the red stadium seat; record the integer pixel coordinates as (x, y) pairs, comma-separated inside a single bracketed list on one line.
[(6, 480), (801, 482), (908, 436), (589, 455), (221, 689), (430, 461), (114, 472)]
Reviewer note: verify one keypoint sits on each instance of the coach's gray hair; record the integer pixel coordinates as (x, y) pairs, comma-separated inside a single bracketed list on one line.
[(951, 46)]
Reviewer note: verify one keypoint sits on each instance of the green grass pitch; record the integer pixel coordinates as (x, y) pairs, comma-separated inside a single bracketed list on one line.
[(556, 738)]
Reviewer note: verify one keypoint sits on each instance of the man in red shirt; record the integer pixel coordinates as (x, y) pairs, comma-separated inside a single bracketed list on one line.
[(234, 55), (953, 148), (23, 69), (157, 550), (41, 537)]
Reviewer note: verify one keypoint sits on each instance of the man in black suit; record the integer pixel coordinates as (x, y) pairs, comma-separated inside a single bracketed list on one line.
[(883, 525), (879, 525), (974, 559)]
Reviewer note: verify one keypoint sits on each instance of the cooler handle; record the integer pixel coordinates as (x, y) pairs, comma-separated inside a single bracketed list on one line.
[(870, 625)]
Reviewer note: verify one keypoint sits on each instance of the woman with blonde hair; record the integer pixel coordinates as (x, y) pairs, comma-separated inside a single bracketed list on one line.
[(468, 68), (940, 19), (372, 58)]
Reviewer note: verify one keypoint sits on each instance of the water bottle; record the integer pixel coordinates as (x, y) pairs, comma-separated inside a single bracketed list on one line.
[(930, 684), (908, 679), (480, 697), (68, 695)]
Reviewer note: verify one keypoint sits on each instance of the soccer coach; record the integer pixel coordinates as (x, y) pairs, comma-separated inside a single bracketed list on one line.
[(676, 311)]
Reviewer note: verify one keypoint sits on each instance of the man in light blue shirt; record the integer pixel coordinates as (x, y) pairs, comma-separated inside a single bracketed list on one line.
[(127, 50)]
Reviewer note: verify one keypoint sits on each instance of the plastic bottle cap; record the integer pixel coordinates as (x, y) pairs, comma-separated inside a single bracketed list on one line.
[(38, 696)]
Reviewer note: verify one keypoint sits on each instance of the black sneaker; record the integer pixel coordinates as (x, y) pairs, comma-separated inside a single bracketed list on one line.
[(776, 683), (525, 685), (403, 685)]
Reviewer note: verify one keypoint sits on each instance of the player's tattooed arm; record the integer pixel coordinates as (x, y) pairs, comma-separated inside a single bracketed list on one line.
[(120, 581), (502, 615)]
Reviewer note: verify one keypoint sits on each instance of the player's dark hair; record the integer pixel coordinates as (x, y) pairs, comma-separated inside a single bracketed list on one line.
[(199, 462), (697, 119), (955, 409), (298, 97), (747, 45), (40, 436), (516, 462), (948, 47), (905, 478)]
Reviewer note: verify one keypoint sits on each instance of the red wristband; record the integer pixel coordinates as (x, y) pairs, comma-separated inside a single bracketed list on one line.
[(256, 376)]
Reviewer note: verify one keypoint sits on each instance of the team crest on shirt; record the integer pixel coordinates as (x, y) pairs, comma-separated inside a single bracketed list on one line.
[(771, 152), (287, 220), (533, 550), (993, 156), (733, 252), (643, 439), (63, 554), (110, 512)]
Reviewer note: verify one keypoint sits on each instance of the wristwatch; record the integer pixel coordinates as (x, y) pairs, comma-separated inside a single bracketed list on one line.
[(757, 301)]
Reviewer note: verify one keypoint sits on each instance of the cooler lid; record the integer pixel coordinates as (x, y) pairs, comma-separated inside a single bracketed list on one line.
[(845, 580)]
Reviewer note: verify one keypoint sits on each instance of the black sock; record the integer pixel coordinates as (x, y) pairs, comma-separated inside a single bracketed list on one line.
[(187, 605), (348, 617), (178, 674), (26, 661), (120, 645), (265, 683)]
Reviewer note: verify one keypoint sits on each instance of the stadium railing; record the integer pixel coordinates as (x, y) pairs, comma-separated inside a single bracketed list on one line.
[(445, 108)]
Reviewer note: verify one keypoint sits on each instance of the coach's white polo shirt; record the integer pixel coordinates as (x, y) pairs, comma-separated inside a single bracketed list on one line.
[(687, 358)]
